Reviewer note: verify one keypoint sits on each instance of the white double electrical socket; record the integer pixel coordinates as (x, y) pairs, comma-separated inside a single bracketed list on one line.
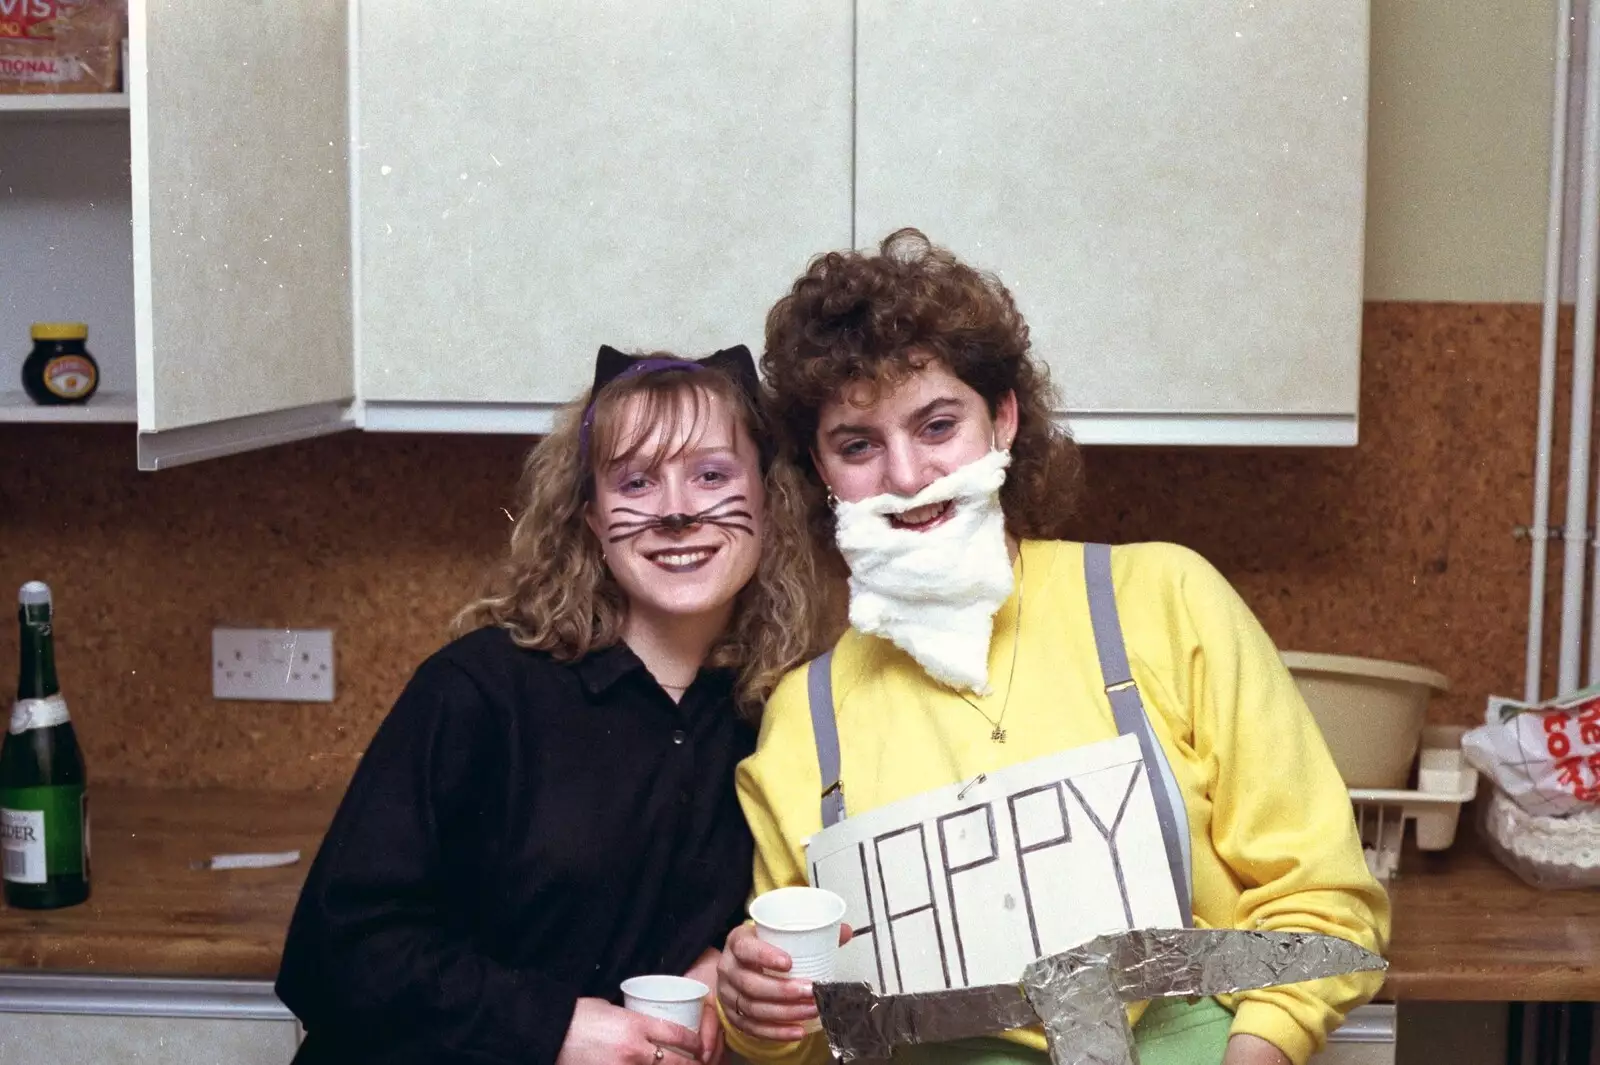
[(288, 665)]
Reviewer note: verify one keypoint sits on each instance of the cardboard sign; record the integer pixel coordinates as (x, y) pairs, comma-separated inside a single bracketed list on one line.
[(965, 885)]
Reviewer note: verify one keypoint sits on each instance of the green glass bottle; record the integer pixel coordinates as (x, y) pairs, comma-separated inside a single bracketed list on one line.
[(44, 810)]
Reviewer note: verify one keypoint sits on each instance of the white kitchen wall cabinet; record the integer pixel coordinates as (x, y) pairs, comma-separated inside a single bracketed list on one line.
[(1174, 191), (1175, 194), (221, 316), (537, 179), (241, 221), (357, 212), (66, 253)]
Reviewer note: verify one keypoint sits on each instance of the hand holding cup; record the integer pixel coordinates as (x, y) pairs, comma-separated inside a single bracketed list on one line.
[(765, 976), (677, 999)]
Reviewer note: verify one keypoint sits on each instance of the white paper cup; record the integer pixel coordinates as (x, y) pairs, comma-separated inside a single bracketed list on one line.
[(671, 998), (803, 922)]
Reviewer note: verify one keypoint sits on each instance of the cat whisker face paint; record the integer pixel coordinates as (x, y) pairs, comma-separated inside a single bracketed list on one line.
[(730, 513)]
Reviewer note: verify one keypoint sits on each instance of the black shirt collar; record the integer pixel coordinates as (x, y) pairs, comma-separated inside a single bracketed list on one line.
[(600, 670)]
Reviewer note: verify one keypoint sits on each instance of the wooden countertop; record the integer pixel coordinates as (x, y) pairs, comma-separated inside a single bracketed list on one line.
[(150, 914), (1465, 928)]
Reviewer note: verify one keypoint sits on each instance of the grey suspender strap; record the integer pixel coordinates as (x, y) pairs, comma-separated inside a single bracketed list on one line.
[(1126, 707), (819, 688), (1128, 710)]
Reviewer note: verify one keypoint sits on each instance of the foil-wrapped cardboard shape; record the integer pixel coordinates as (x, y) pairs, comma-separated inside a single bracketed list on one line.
[(1080, 996), (861, 1024)]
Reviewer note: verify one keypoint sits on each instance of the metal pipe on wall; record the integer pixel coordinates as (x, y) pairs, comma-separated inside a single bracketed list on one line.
[(1577, 512), (1539, 527)]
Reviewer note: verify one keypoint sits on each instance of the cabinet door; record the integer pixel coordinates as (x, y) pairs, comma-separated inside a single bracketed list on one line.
[(75, 1019), (31, 1039), (241, 223), (1173, 190), (537, 179), (1367, 1037)]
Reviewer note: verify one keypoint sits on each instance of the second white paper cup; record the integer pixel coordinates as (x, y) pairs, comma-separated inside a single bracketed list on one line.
[(670, 998), (803, 922)]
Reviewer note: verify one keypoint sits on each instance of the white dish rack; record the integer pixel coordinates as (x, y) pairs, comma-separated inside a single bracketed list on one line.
[(1445, 783)]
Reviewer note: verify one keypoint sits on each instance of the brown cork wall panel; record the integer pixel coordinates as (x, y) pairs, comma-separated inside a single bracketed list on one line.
[(1400, 548), (381, 538)]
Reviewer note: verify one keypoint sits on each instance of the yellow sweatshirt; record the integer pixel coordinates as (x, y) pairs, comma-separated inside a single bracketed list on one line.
[(1274, 842)]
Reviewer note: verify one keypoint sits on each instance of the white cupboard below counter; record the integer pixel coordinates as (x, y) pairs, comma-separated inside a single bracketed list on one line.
[(88, 1020)]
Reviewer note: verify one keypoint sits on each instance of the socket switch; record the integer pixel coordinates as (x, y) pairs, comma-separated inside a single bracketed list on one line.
[(288, 665)]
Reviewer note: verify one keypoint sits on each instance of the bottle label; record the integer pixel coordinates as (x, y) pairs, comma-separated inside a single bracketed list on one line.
[(22, 846), (43, 833), (38, 713), (69, 376)]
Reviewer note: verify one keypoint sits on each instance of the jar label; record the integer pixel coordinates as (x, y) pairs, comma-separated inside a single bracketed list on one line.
[(29, 714), (69, 376)]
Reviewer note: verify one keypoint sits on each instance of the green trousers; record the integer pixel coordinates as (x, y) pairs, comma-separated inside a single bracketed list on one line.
[(1171, 1032)]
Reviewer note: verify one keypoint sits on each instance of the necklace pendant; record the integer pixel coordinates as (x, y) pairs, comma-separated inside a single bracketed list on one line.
[(998, 735)]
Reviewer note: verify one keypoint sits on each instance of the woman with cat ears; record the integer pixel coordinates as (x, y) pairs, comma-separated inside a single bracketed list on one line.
[(982, 637), (549, 807)]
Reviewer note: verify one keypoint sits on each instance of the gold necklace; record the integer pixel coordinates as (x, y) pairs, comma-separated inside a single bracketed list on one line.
[(999, 733)]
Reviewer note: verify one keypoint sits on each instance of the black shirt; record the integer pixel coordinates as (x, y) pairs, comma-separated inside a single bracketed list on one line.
[(521, 832)]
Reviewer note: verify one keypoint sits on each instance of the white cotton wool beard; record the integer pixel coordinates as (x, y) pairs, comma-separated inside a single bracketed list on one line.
[(933, 594)]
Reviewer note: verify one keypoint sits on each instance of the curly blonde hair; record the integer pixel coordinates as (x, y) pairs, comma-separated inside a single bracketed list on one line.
[(858, 317), (552, 590)]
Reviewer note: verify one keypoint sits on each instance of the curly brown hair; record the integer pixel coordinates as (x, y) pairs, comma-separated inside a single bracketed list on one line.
[(857, 317), (552, 590)]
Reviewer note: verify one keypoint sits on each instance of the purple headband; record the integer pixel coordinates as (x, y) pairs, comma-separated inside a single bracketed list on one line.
[(612, 365), (637, 368)]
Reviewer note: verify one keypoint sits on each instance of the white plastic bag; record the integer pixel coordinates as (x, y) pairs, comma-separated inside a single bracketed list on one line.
[(1544, 757)]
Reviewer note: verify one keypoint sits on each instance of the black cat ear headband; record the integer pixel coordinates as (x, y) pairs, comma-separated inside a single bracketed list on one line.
[(612, 365)]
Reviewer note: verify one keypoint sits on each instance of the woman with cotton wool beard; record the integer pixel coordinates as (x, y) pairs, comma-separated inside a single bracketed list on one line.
[(906, 389)]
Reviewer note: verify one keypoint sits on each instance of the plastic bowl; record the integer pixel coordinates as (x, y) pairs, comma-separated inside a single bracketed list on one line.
[(1370, 711)]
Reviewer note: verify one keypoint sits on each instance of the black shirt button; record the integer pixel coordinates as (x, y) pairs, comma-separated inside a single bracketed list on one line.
[(678, 737), (683, 798)]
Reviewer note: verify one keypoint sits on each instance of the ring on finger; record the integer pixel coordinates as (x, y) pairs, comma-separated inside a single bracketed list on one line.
[(738, 1005), (660, 1054)]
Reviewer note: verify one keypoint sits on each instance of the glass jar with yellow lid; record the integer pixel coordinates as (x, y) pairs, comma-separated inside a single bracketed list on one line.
[(60, 368)]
